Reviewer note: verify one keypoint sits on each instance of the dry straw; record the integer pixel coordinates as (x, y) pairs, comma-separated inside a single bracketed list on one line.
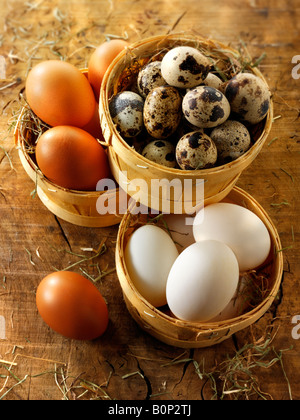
[(122, 74), (159, 322)]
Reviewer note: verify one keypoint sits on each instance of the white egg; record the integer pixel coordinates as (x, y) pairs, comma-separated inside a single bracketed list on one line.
[(149, 256), (181, 229), (236, 306), (241, 229), (202, 281)]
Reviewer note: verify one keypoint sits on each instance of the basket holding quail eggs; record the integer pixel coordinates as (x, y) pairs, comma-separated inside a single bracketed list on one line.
[(181, 106)]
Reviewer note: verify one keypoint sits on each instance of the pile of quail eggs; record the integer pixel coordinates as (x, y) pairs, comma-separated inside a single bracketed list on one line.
[(182, 115)]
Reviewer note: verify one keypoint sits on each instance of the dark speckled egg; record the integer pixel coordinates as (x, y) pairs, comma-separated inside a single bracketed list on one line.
[(205, 107), (149, 78), (161, 152), (196, 151), (185, 67), (126, 110), (232, 140), (249, 97), (162, 111)]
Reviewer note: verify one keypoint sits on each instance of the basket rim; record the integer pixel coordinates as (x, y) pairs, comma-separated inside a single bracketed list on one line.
[(207, 326), (104, 102)]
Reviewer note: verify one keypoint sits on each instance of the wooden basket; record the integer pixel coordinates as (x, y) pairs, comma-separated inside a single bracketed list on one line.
[(166, 328), (76, 207), (125, 160)]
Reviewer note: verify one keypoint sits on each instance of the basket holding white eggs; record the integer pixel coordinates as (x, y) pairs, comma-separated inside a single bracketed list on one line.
[(195, 285)]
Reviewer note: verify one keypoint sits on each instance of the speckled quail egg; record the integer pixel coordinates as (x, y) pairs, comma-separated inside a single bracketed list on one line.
[(162, 111), (161, 152), (249, 97), (205, 107), (232, 140), (150, 77), (126, 110), (213, 81), (196, 151), (184, 67)]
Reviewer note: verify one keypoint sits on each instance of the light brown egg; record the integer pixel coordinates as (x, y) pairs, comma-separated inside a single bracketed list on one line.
[(162, 111), (232, 140), (161, 152), (149, 78), (249, 97)]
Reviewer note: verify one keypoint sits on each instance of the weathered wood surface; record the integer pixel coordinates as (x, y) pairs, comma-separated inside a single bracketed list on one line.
[(126, 362)]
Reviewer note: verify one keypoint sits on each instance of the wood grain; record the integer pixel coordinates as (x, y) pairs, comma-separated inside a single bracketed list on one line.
[(127, 363)]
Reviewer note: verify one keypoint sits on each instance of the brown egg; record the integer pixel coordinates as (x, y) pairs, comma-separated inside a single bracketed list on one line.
[(72, 306), (101, 59), (59, 94), (71, 158)]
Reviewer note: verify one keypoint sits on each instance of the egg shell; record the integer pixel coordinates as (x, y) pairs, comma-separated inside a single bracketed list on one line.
[(72, 306), (238, 303), (213, 81), (60, 94), (232, 140), (249, 97), (202, 281), (101, 59), (181, 229), (149, 256), (196, 150), (184, 67), (162, 111), (205, 107), (239, 228), (72, 158), (161, 152), (126, 110), (150, 77)]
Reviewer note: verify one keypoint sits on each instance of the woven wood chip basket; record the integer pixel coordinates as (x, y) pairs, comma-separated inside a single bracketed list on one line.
[(76, 207), (124, 159), (160, 323)]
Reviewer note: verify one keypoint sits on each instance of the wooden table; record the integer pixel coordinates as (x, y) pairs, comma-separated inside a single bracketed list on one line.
[(127, 363)]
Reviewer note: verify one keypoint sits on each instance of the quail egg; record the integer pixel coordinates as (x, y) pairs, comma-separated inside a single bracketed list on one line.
[(196, 151), (126, 110), (213, 81), (184, 67), (162, 111), (161, 152), (249, 97), (150, 77), (232, 140), (205, 107)]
